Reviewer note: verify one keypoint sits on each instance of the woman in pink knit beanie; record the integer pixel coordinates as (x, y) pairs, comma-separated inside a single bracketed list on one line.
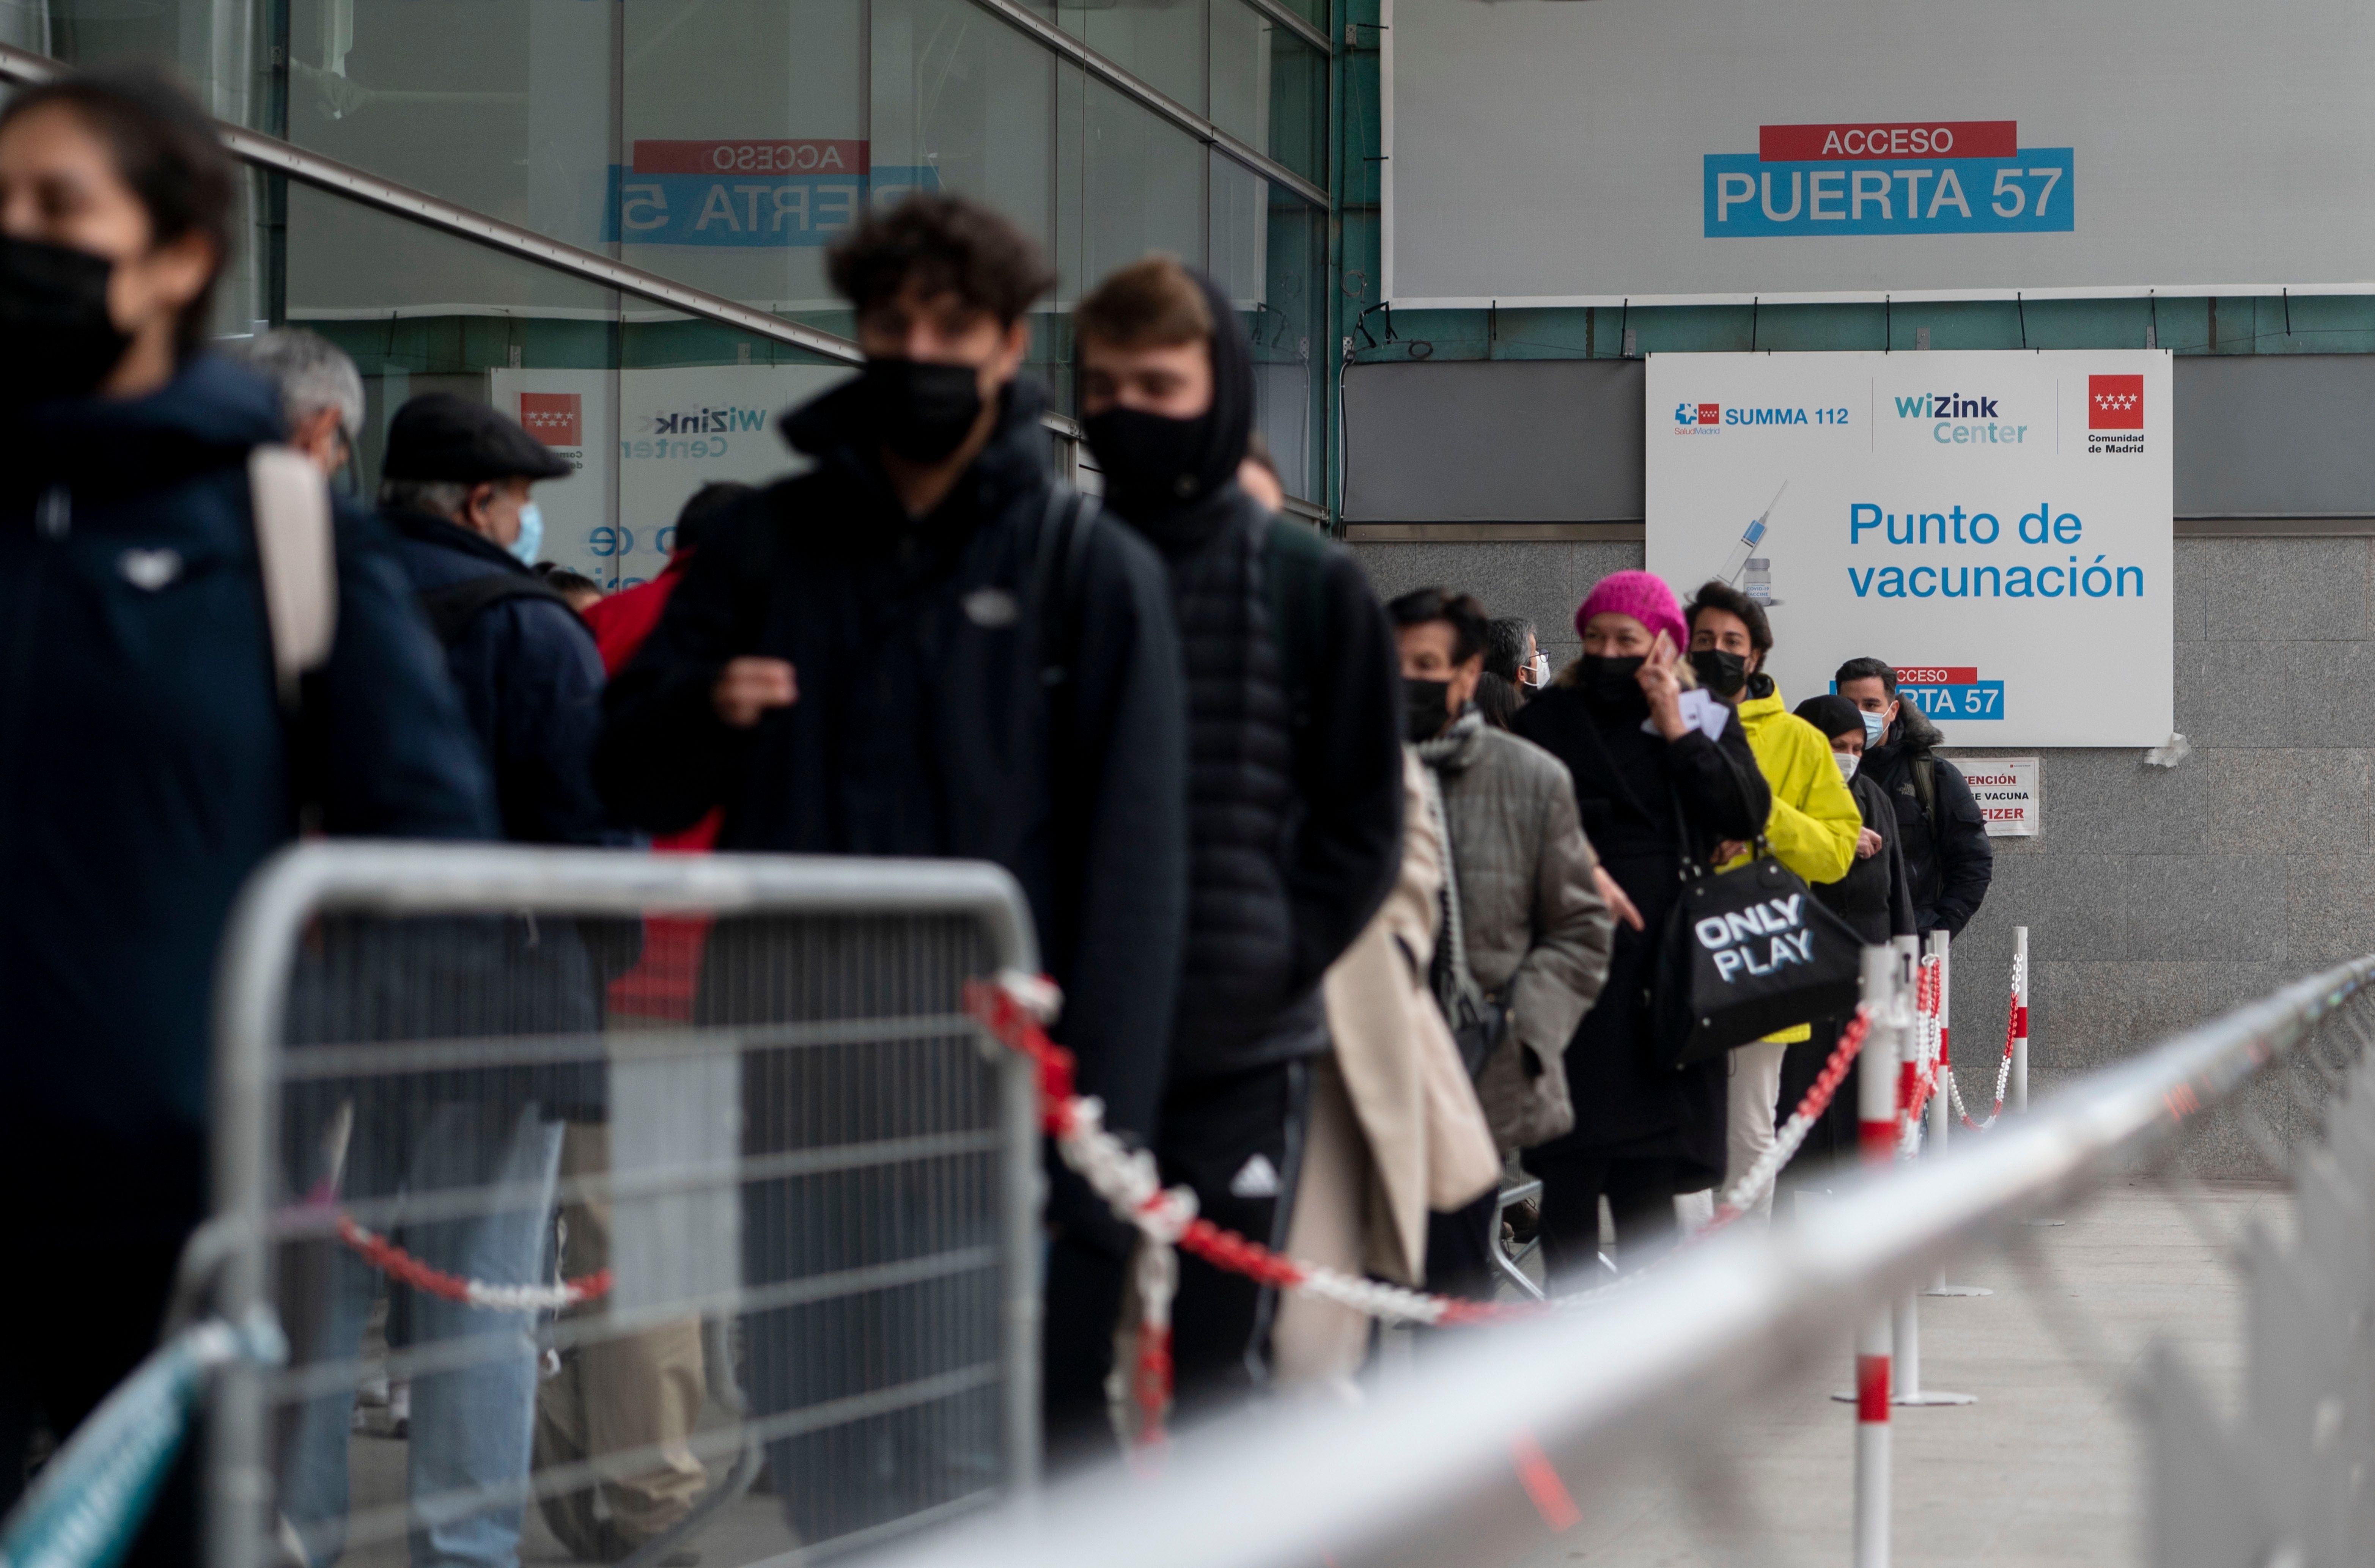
[(1641, 595), (1655, 793)]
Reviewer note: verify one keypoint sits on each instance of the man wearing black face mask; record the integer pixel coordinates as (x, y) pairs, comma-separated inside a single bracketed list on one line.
[(1295, 716), (1813, 827), (1534, 930), (924, 646)]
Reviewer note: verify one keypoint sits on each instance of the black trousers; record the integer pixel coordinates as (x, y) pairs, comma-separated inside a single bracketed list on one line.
[(1640, 1194), (77, 1324), (1459, 1249), (1235, 1140), (1830, 1147)]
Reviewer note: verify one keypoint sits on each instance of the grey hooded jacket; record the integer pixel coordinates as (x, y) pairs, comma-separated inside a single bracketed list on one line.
[(1533, 926)]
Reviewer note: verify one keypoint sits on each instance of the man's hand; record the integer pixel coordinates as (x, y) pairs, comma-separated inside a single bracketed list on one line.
[(748, 687), (1867, 843), (1613, 895), (1728, 851)]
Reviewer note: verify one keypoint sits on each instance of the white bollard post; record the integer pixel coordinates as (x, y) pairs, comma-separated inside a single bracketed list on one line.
[(1876, 1081), (2019, 1019), (1930, 1053)]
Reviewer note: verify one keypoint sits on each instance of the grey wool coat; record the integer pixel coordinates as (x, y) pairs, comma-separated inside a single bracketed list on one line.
[(1533, 925)]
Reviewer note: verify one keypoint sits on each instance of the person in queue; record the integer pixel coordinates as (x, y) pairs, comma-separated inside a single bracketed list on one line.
[(844, 669), (320, 393), (1939, 831), (1533, 931), (1875, 900), (1654, 790), (456, 490), (151, 758), (1812, 830), (1295, 779)]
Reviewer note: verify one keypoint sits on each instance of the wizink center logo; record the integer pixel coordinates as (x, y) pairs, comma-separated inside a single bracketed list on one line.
[(1961, 418), (1913, 177), (2115, 414)]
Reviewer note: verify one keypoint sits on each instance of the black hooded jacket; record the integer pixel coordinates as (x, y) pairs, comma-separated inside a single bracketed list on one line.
[(1293, 741), (931, 718), (1948, 859), (146, 769)]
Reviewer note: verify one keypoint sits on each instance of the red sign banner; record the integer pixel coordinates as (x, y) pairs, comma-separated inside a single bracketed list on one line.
[(1860, 143)]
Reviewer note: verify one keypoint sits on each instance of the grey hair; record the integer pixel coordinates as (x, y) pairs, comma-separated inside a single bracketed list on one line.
[(439, 498), (313, 373)]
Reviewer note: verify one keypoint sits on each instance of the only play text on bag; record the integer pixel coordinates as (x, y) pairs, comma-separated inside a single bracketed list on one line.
[(1770, 931)]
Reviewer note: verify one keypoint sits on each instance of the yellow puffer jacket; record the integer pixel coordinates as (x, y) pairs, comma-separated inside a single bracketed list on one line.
[(1815, 822)]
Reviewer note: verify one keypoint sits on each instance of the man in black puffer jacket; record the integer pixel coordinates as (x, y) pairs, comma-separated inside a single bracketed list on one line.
[(1294, 782)]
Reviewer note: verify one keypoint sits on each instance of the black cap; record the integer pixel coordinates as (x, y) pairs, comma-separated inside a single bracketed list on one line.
[(441, 436)]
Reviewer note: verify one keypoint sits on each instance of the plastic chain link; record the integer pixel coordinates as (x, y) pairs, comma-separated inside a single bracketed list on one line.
[(401, 1266), (1016, 1009)]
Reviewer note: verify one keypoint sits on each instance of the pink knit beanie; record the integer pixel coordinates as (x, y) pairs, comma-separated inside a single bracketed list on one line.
[(1641, 595)]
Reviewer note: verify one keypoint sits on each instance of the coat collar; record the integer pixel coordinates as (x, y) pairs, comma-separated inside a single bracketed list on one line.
[(431, 529)]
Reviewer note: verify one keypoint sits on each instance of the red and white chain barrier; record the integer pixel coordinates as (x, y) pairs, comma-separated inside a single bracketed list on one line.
[(1015, 1010), (2016, 1031), (405, 1269)]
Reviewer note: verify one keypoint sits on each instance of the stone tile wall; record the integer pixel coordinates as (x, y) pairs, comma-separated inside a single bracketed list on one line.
[(2154, 898)]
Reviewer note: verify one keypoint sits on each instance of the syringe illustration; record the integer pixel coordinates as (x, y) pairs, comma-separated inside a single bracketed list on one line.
[(1750, 539)]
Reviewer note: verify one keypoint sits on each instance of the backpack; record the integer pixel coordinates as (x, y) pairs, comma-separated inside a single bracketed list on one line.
[(452, 607), (297, 556), (1295, 566)]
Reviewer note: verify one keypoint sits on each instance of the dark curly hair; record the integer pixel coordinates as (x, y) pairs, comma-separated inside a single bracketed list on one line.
[(1717, 594), (948, 244)]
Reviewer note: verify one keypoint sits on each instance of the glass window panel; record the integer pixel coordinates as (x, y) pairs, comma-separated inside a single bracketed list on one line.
[(1241, 71), (961, 101), (1296, 133), (1159, 42), (649, 404), (744, 144), (1142, 185), (1270, 253)]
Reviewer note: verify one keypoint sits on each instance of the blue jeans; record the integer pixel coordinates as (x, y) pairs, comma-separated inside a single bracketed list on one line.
[(472, 1426)]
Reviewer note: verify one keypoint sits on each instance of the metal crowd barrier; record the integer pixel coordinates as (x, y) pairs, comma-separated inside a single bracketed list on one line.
[(1466, 1457), (637, 1175)]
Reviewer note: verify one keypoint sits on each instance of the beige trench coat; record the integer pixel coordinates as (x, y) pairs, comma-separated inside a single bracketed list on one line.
[(1429, 1147)]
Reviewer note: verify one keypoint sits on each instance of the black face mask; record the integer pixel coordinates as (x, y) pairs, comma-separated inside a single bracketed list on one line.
[(921, 411), (1152, 463), (1721, 673), (54, 318), (1426, 704), (1611, 683)]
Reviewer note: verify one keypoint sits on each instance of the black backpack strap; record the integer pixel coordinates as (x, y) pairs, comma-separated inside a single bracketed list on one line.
[(1059, 576), (1295, 568), (452, 607)]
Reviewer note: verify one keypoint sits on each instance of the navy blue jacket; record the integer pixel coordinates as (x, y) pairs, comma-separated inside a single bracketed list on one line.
[(146, 768), (531, 682)]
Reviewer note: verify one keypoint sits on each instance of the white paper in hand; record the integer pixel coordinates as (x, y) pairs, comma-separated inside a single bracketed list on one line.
[(1701, 711)]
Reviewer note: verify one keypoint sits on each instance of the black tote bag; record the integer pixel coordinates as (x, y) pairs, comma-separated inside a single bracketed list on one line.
[(1745, 953)]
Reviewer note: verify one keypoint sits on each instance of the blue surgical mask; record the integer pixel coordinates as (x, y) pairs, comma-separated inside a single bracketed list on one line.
[(531, 535), (1874, 724)]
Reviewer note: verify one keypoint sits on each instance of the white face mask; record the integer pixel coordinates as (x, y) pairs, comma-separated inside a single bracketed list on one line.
[(1848, 761)]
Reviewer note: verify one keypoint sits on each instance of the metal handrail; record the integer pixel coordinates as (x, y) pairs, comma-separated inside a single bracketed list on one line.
[(1288, 1487)]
